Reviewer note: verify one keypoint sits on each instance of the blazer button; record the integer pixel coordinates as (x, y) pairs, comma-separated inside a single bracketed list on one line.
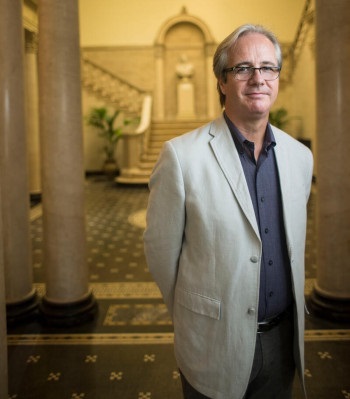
[(251, 311), (254, 259)]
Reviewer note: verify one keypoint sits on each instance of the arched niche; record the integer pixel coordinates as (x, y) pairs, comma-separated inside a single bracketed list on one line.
[(184, 35)]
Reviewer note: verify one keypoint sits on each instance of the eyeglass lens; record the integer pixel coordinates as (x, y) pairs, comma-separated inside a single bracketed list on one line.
[(245, 73)]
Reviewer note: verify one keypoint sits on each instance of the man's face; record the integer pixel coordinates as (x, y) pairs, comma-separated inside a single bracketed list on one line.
[(250, 99)]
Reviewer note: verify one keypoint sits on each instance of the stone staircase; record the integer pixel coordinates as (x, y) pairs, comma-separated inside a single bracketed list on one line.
[(111, 89), (124, 96), (160, 132)]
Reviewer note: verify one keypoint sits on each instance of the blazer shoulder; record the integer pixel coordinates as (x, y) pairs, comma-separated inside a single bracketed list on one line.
[(203, 133), (283, 138)]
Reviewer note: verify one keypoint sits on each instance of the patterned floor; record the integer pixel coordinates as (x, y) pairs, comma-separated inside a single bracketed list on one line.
[(127, 351)]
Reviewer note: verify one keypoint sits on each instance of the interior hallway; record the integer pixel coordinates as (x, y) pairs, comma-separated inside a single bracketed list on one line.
[(127, 351)]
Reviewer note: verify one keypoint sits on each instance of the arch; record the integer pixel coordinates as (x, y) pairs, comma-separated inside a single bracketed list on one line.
[(181, 18), (167, 51)]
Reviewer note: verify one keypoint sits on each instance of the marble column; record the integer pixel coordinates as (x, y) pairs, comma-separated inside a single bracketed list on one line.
[(68, 299), (159, 84), (213, 109), (331, 294), (3, 336), (20, 295), (32, 112)]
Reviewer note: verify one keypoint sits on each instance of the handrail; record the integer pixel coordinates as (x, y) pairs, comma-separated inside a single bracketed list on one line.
[(111, 88), (300, 26), (143, 127), (113, 76), (294, 50), (135, 145), (146, 113)]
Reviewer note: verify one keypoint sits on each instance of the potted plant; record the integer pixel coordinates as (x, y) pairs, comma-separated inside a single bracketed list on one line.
[(104, 122), (279, 118)]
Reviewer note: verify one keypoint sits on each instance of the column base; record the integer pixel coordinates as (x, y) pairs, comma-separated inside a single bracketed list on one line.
[(23, 311), (69, 314), (331, 309)]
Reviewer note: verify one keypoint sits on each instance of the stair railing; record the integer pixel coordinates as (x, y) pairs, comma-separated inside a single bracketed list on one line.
[(111, 88), (306, 20), (130, 99), (135, 144)]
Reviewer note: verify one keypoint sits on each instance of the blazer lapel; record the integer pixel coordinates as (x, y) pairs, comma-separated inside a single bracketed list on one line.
[(284, 168), (227, 156)]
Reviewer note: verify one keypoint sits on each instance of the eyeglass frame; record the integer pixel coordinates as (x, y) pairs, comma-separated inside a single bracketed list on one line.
[(252, 70)]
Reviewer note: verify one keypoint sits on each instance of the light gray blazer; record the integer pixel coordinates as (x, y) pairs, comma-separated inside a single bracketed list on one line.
[(203, 248)]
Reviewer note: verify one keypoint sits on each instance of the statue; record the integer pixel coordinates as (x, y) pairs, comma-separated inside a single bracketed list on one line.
[(184, 69), (185, 89)]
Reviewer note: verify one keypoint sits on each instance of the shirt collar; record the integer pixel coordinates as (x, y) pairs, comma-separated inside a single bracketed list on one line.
[(240, 141)]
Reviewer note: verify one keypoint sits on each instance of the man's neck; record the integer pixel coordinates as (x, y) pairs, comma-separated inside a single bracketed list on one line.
[(253, 130)]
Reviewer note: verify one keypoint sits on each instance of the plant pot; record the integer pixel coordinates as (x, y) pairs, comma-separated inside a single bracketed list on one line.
[(110, 168)]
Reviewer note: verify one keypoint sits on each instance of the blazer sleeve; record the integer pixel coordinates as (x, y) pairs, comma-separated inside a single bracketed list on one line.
[(310, 165), (165, 222)]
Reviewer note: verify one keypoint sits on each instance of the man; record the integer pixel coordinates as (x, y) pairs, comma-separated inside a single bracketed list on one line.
[(225, 236)]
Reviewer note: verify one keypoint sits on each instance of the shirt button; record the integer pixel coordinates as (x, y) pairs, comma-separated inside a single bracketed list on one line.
[(270, 262), (254, 259), (271, 294), (251, 311), (262, 199), (266, 230)]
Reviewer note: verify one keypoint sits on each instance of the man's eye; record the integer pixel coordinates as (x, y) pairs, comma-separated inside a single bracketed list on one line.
[(267, 69), (243, 69)]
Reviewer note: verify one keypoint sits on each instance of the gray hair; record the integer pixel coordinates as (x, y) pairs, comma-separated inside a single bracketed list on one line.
[(222, 52)]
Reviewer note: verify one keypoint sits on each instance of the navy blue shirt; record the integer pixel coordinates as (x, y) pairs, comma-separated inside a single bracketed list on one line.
[(275, 293)]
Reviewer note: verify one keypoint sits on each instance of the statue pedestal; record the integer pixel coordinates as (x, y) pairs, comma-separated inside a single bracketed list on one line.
[(185, 100)]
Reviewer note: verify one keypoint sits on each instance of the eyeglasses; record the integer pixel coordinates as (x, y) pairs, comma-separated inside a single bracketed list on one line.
[(246, 72)]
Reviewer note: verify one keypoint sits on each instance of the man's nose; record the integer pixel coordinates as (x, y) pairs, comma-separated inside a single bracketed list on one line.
[(256, 77)]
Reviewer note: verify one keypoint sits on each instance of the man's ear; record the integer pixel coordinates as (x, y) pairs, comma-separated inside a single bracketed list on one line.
[(222, 86)]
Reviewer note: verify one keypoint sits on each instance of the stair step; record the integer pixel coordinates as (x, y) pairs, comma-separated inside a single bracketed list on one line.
[(179, 123), (160, 132), (134, 176), (154, 151), (147, 163)]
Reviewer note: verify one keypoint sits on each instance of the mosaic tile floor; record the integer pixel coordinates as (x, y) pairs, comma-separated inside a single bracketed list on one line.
[(127, 351)]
